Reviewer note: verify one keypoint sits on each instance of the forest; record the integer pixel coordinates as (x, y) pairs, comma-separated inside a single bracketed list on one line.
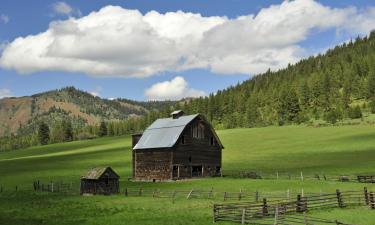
[(329, 88)]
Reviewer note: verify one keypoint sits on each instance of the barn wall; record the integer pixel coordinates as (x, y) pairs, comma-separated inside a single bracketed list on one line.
[(197, 152), (152, 164)]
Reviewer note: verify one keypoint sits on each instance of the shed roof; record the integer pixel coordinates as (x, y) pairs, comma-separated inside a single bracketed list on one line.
[(164, 133), (96, 172)]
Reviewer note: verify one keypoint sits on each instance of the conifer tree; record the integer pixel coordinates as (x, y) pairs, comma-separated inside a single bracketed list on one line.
[(43, 133), (103, 129)]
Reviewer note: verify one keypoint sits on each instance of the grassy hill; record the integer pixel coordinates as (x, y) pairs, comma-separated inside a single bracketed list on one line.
[(333, 151)]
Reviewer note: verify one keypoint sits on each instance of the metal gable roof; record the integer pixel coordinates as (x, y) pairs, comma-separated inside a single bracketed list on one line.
[(163, 133)]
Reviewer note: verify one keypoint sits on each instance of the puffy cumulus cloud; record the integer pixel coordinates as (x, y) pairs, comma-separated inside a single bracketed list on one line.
[(4, 92), (64, 8), (119, 42), (175, 89)]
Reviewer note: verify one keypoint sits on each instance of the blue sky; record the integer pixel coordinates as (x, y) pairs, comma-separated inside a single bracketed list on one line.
[(233, 51)]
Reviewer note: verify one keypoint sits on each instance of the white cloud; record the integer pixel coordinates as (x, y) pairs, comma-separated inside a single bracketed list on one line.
[(96, 92), (4, 92), (4, 18), (64, 8), (175, 89), (125, 43)]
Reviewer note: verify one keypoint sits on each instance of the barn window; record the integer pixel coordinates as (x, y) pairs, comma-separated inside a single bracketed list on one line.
[(183, 139), (106, 180), (198, 131), (189, 159), (212, 141)]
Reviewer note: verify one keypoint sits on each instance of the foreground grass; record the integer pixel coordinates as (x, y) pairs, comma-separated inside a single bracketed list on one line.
[(346, 150)]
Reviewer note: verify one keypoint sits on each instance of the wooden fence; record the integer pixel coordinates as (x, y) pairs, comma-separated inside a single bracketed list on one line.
[(253, 212), (366, 179), (52, 186), (300, 176)]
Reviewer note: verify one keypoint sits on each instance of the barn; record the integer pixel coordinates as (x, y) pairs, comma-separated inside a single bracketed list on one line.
[(100, 180), (179, 147)]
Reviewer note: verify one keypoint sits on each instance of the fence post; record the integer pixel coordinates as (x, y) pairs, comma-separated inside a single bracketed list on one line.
[(366, 195), (243, 216), (277, 175), (52, 187), (191, 192), (265, 207), (298, 204), (214, 213), (256, 196), (126, 191), (140, 191), (276, 222), (372, 201), (301, 176), (339, 198), (240, 195), (225, 196), (305, 218), (210, 194), (288, 194), (173, 196)]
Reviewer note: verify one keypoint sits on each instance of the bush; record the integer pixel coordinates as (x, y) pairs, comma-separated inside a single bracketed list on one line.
[(333, 116), (85, 135), (372, 106), (355, 113)]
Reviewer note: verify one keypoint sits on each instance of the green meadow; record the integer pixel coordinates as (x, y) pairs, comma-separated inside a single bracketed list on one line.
[(330, 151)]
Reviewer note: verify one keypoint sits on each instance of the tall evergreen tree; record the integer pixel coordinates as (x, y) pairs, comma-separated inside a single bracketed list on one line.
[(43, 133), (103, 129)]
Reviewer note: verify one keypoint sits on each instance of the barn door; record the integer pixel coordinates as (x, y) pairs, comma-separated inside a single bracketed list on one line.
[(175, 172)]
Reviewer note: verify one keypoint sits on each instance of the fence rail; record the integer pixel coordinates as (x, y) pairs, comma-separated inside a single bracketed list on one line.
[(252, 212)]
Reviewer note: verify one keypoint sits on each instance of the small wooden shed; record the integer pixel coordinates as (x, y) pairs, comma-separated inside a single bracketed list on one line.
[(100, 180)]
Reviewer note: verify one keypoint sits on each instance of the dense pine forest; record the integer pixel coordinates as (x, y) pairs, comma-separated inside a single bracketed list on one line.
[(320, 90), (337, 85)]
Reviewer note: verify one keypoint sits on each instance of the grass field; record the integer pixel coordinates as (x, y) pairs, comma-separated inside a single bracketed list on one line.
[(341, 150)]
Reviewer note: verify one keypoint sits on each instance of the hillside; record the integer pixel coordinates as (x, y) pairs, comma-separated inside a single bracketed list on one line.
[(21, 115), (329, 88)]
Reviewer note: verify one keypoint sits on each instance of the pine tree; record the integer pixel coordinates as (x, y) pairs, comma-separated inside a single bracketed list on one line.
[(68, 130), (43, 133), (102, 129)]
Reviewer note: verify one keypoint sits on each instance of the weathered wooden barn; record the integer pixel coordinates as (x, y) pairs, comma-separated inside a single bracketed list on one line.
[(100, 180), (179, 147)]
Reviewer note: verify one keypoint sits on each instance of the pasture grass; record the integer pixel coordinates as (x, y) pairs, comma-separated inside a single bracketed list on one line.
[(333, 151)]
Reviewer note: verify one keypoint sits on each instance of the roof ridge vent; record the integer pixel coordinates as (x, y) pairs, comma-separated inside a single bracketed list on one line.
[(176, 114)]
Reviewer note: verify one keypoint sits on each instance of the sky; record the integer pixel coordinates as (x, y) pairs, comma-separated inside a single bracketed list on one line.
[(164, 49)]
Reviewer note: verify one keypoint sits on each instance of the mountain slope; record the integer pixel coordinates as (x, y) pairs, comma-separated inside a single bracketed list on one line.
[(21, 115)]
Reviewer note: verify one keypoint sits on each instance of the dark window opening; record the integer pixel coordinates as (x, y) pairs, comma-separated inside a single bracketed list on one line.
[(175, 171), (196, 171), (183, 139), (106, 180), (189, 159), (212, 141), (198, 131), (218, 169)]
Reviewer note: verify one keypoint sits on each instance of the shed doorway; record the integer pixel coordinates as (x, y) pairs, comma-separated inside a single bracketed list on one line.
[(196, 171)]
